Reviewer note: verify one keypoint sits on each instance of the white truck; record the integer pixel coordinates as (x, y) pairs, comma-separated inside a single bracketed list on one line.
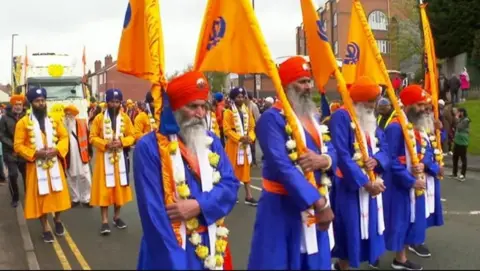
[(61, 75)]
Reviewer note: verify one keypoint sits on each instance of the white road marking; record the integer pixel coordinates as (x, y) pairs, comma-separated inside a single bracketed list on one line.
[(461, 212), (254, 187), (443, 200)]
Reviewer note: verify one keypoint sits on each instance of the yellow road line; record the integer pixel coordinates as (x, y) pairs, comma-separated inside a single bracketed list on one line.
[(81, 260), (59, 251)]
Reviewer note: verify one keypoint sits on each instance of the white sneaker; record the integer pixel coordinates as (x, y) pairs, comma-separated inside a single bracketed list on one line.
[(450, 153), (461, 178)]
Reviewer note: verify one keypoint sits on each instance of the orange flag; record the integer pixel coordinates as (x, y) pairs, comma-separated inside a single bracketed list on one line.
[(362, 56), (141, 50), (431, 73), (322, 59), (231, 41)]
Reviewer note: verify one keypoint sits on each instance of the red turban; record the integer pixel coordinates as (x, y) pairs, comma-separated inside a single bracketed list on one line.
[(364, 90), (293, 69), (186, 88), (413, 94), (17, 98)]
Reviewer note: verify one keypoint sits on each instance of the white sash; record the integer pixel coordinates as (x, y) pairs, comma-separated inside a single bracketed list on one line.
[(206, 177), (109, 167), (309, 243), (178, 169), (243, 132), (54, 172), (430, 193), (412, 190), (364, 198)]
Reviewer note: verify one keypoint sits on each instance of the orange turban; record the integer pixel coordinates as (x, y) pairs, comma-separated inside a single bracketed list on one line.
[(364, 90), (186, 88), (72, 109), (293, 69), (413, 94), (17, 98)]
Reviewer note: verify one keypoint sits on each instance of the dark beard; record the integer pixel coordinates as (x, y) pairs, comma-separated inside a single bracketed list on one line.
[(40, 114), (112, 112), (413, 116)]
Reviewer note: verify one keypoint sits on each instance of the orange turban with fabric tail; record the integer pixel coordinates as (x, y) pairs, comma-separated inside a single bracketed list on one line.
[(17, 98), (413, 94), (72, 109), (293, 69), (186, 88), (364, 90)]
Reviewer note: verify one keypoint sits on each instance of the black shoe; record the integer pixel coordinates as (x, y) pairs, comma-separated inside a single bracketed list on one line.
[(335, 266), (408, 265), (105, 229), (14, 204), (251, 201), (119, 223), (453, 176), (420, 250), (75, 204), (87, 205), (59, 229), (48, 237), (374, 265)]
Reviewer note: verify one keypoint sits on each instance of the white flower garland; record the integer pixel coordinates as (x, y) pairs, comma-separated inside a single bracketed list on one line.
[(114, 155), (44, 163), (237, 120), (192, 225)]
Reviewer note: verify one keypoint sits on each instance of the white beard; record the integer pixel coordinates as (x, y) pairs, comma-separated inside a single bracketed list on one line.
[(302, 105), (426, 122), (366, 118), (192, 131), (70, 124)]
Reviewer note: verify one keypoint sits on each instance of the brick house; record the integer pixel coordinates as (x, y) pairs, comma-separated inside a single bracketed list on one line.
[(336, 14), (107, 76)]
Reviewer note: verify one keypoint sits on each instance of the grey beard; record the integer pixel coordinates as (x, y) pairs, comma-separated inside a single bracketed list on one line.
[(415, 118), (192, 131), (366, 118), (302, 105)]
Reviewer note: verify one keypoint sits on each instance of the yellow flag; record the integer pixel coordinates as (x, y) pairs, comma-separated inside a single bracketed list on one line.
[(322, 59), (362, 56), (231, 41), (141, 50)]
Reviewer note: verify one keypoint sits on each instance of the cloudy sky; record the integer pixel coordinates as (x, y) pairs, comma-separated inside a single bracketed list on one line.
[(59, 25)]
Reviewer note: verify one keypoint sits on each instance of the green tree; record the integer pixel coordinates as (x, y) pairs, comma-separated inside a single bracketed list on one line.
[(476, 49), (177, 73), (216, 80), (405, 32), (453, 25)]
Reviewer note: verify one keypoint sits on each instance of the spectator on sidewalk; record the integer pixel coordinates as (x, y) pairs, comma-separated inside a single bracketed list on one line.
[(461, 141), (464, 84), (443, 87), (14, 163), (448, 121), (454, 84)]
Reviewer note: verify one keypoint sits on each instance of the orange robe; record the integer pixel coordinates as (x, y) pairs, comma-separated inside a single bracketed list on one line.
[(101, 195), (36, 205), (142, 125), (242, 172), (213, 125)]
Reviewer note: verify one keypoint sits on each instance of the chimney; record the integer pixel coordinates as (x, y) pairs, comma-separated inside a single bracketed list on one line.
[(108, 61), (98, 65)]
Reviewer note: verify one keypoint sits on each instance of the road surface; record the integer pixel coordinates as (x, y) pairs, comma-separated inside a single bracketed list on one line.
[(453, 246)]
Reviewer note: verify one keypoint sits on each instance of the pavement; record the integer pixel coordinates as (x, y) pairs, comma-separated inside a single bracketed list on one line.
[(473, 162), (454, 245)]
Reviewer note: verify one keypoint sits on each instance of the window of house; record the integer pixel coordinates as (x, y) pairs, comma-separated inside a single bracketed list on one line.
[(378, 20), (383, 46), (335, 19), (100, 76), (335, 48)]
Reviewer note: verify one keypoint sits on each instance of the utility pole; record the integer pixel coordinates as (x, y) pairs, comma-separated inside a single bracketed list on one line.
[(12, 80)]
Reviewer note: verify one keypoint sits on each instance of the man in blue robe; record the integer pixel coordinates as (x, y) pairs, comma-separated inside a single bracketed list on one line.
[(359, 222), (404, 199), (289, 234), (185, 185), (433, 166)]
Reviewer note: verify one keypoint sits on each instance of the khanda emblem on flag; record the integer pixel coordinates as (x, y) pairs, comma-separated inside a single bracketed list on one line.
[(218, 32), (352, 54), (322, 30)]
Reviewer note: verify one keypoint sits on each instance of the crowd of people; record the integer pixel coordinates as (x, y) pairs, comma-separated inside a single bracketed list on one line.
[(323, 197)]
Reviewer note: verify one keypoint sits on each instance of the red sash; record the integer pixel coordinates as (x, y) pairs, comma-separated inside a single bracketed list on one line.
[(190, 158)]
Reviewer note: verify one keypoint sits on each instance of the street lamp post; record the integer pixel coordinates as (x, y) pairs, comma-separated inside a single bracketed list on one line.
[(11, 67)]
